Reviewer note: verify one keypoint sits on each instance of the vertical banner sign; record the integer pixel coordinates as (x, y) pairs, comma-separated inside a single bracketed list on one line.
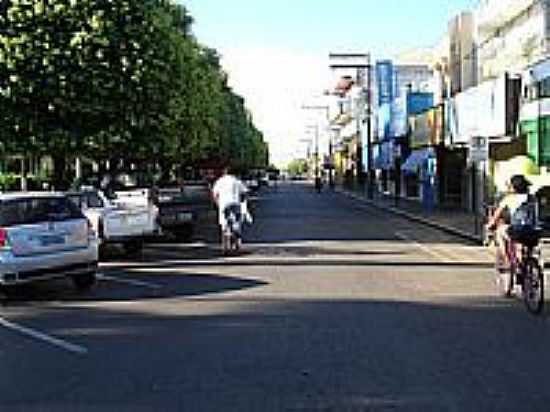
[(384, 81)]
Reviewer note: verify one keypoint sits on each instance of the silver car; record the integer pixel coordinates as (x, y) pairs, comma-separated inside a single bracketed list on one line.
[(43, 236)]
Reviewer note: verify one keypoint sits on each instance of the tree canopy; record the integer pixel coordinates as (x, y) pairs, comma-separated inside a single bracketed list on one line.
[(119, 82)]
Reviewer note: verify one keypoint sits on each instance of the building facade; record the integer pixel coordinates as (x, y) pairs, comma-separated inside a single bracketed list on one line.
[(510, 35)]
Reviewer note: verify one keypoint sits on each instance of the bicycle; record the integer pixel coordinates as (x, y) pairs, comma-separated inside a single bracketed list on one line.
[(525, 270), (232, 232)]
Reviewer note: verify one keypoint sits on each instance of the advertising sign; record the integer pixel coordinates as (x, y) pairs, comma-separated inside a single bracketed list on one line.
[(384, 121), (426, 128), (384, 81), (479, 111), (420, 131)]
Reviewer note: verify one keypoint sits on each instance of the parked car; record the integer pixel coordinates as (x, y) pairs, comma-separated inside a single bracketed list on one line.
[(180, 208), (43, 236), (126, 219)]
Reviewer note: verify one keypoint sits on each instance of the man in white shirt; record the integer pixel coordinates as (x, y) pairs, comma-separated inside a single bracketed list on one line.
[(228, 192)]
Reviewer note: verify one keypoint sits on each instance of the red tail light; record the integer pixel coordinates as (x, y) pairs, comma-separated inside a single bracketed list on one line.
[(3, 238)]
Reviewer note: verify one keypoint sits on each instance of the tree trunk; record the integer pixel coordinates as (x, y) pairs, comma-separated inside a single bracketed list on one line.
[(60, 178)]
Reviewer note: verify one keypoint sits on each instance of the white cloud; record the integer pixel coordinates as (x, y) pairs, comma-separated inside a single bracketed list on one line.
[(275, 84)]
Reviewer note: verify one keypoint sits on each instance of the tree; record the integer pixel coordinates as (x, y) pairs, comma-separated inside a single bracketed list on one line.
[(122, 82), (297, 167)]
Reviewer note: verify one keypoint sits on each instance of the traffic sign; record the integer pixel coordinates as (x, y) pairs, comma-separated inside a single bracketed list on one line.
[(478, 149)]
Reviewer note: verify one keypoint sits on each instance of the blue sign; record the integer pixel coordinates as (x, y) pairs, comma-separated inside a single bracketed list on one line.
[(418, 102), (384, 80)]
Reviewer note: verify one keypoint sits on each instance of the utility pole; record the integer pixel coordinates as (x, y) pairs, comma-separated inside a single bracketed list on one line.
[(316, 157), (360, 63), (326, 109)]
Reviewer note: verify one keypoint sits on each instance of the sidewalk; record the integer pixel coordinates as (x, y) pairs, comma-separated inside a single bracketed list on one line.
[(455, 221)]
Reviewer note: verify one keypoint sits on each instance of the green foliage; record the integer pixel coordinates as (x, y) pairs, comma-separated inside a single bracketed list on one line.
[(297, 167), (123, 81), (7, 181)]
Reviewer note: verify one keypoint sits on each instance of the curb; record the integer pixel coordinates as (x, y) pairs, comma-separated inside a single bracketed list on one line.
[(445, 228)]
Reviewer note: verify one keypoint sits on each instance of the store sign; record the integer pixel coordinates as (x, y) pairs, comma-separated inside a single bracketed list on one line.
[(384, 80), (426, 128), (384, 121), (478, 149), (479, 111)]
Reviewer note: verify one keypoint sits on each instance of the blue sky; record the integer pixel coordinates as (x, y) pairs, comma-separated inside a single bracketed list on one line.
[(323, 25), (276, 51)]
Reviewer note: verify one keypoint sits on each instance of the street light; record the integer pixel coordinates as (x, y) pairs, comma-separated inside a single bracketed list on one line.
[(308, 151), (316, 157), (326, 109)]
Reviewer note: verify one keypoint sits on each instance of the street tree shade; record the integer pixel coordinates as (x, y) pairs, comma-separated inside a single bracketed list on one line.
[(121, 82)]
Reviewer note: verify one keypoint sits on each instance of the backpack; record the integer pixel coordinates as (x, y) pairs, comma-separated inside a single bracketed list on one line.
[(525, 214)]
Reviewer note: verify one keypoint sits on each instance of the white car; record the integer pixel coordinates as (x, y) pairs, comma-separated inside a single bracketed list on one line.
[(42, 236), (117, 221)]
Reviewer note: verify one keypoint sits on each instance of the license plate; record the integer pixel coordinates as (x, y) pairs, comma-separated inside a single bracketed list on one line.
[(185, 217), (52, 240)]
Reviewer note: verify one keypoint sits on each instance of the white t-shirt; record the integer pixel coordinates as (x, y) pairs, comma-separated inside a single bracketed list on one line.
[(228, 190)]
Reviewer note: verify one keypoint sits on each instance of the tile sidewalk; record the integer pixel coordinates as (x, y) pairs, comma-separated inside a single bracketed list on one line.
[(455, 221)]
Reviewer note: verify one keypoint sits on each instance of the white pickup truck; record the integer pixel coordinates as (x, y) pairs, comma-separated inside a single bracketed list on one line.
[(126, 220)]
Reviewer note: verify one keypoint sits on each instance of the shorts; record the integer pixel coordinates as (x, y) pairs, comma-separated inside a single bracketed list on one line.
[(224, 215)]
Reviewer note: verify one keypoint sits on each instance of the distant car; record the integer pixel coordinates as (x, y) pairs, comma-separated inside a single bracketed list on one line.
[(176, 217), (43, 236), (180, 208), (126, 220), (253, 185)]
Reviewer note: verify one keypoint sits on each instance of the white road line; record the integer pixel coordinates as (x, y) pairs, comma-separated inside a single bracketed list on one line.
[(440, 256), (70, 347), (130, 282)]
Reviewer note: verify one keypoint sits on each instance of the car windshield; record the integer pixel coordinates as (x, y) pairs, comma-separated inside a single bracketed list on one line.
[(35, 210)]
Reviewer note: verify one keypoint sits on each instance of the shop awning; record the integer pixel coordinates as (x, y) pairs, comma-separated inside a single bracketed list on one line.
[(416, 160)]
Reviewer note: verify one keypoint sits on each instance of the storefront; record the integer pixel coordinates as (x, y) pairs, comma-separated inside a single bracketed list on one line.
[(488, 110), (421, 168), (534, 119)]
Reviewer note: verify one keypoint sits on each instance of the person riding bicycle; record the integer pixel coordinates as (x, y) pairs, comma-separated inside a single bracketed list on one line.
[(515, 209), (228, 193)]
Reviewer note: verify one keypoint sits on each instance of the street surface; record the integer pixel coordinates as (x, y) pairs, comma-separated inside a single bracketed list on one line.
[(332, 306)]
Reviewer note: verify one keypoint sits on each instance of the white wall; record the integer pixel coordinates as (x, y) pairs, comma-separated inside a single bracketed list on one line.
[(512, 43)]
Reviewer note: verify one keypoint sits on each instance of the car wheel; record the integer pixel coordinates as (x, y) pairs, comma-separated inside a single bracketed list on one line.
[(8, 292), (184, 233), (133, 247), (84, 282)]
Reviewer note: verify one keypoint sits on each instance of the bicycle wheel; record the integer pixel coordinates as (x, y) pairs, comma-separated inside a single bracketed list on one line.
[(533, 286)]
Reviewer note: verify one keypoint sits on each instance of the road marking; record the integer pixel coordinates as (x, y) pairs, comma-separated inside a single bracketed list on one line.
[(132, 282), (60, 343), (440, 256)]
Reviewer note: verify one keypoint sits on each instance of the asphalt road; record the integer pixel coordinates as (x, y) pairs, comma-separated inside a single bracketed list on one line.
[(332, 306)]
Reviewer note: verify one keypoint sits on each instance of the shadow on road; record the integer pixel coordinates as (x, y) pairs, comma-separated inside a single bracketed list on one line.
[(131, 286), (306, 262), (293, 355)]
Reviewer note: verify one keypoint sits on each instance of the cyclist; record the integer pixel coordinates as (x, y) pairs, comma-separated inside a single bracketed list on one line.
[(513, 211), (228, 193)]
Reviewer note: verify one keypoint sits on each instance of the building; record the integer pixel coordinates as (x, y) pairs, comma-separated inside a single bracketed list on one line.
[(534, 117), (510, 35), (462, 52), (402, 90)]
